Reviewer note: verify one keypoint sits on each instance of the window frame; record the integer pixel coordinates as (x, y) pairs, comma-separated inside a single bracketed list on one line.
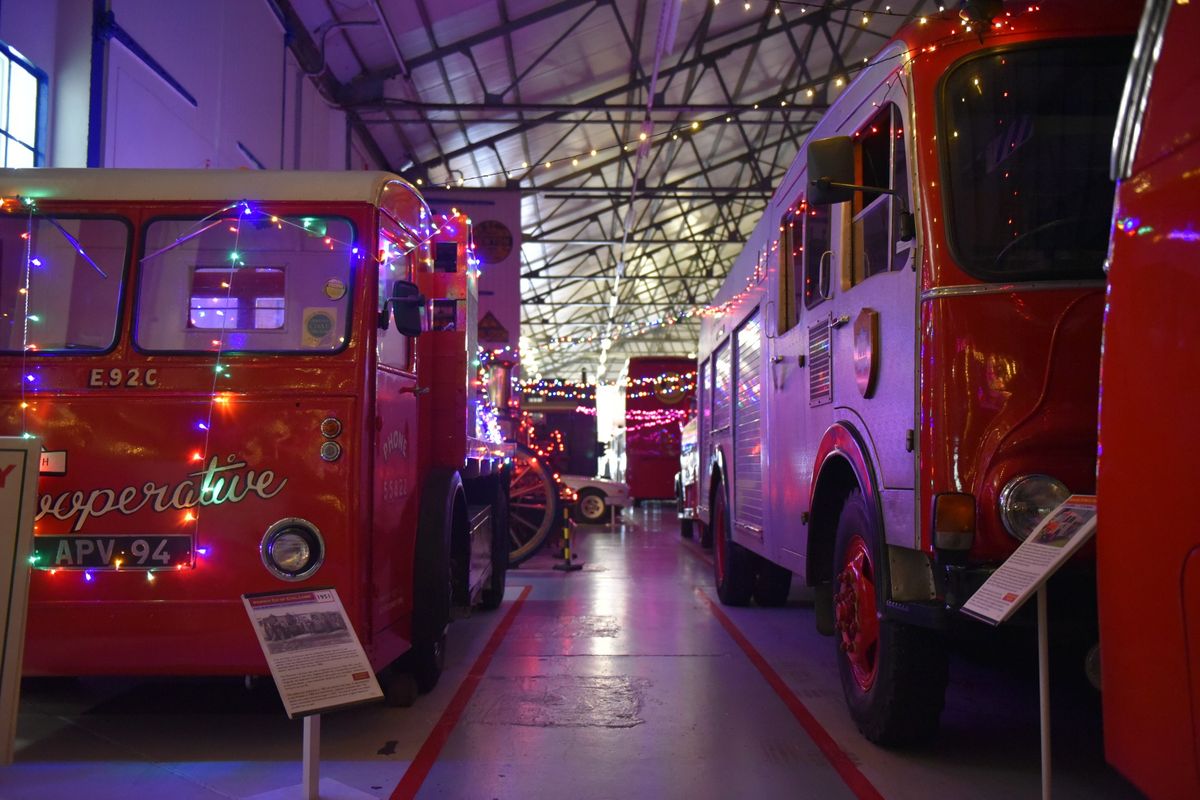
[(135, 307), (38, 146)]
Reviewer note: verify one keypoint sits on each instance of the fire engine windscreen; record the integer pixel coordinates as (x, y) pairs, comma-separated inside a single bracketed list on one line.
[(263, 284), (1026, 137), (60, 282)]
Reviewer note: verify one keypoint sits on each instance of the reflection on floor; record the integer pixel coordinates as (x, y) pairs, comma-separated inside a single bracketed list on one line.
[(615, 681)]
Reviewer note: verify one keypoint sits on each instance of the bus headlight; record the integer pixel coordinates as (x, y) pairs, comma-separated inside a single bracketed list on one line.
[(1026, 499), (292, 549)]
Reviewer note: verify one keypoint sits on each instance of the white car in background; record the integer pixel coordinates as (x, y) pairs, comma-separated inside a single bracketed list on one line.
[(595, 498)]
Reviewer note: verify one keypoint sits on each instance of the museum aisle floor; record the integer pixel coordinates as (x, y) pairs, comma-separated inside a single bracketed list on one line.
[(624, 680)]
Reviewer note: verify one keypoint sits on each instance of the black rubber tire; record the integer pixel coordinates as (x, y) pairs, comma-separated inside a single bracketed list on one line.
[(902, 703), (772, 584), (586, 512), (705, 534), (686, 526), (433, 580), (493, 592), (733, 565)]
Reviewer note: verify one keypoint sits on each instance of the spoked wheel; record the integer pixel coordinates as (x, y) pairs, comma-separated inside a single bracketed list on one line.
[(893, 675), (532, 506)]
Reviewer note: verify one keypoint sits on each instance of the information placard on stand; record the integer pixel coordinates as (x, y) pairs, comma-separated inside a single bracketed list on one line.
[(1063, 531), (19, 461), (316, 660)]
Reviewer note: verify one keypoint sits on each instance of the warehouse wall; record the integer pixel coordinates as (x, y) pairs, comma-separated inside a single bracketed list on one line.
[(222, 90)]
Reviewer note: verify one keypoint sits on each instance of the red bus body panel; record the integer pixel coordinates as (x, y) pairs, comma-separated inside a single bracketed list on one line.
[(658, 395), (1148, 541), (124, 444)]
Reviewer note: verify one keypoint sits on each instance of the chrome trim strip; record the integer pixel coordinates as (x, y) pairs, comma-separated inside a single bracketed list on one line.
[(1007, 288), (1138, 80)]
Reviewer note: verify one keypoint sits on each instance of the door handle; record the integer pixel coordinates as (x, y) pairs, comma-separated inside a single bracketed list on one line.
[(838, 322), (776, 359), (418, 390)]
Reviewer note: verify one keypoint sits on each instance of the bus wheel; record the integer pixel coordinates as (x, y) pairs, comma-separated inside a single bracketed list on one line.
[(686, 526), (733, 565), (772, 584), (592, 506), (433, 578), (493, 593), (893, 675), (532, 505)]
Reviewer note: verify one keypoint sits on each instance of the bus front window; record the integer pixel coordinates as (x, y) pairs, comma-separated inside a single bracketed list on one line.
[(60, 282), (254, 284), (1026, 135)]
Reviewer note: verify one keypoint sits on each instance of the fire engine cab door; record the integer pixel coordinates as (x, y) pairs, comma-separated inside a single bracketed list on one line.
[(873, 309)]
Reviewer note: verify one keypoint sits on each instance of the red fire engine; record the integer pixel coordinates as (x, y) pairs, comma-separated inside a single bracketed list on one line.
[(900, 373), (1148, 545), (658, 393), (225, 372)]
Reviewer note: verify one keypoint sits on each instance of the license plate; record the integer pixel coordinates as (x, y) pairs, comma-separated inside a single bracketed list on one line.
[(112, 552)]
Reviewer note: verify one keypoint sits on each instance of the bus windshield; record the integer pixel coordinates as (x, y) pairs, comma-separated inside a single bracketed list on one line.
[(1026, 137), (60, 282), (251, 283)]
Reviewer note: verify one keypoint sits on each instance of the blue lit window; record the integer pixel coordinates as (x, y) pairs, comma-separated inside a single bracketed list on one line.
[(22, 121)]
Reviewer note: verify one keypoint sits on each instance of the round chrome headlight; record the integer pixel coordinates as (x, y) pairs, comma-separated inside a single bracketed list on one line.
[(1026, 499), (292, 549)]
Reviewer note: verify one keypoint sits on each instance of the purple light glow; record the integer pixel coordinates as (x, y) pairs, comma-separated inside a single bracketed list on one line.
[(87, 576), (37, 262), (30, 378), (203, 551)]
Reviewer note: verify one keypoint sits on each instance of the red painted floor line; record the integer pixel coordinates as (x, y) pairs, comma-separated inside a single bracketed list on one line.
[(837, 757), (418, 770)]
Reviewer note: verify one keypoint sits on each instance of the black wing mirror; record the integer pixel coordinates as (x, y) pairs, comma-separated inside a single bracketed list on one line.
[(831, 180), (406, 305)]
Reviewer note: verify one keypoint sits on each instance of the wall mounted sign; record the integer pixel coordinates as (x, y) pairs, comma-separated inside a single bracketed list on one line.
[(493, 241)]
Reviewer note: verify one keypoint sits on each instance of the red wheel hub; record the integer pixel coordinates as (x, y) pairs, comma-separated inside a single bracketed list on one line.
[(854, 609)]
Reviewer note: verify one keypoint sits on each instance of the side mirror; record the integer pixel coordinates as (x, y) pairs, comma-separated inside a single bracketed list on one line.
[(406, 305), (830, 170)]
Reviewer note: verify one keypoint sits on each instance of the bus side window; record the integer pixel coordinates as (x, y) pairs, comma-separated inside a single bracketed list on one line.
[(872, 214), (790, 250), (817, 254), (394, 349), (902, 252)]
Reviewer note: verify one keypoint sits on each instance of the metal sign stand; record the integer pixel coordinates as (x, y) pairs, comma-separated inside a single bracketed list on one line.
[(567, 564), (1044, 688), (312, 757)]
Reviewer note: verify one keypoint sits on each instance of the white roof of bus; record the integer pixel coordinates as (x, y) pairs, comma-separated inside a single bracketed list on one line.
[(195, 184)]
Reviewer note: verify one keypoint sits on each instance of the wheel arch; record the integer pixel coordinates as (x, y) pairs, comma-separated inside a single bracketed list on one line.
[(844, 465)]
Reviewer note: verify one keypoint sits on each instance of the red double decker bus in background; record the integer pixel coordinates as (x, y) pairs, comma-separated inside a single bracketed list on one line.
[(899, 376), (1147, 540), (234, 392), (659, 393)]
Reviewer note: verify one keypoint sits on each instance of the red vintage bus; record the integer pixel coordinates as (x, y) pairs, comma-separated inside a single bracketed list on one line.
[(658, 392), (1148, 542), (225, 372), (899, 375)]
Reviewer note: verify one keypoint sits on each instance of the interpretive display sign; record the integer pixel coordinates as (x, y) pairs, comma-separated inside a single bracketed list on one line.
[(20, 459), (315, 657), (1063, 531)]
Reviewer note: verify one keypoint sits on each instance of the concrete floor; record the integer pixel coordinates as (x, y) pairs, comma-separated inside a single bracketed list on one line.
[(617, 681)]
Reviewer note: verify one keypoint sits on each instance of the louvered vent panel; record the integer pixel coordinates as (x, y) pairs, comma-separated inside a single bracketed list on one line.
[(820, 364), (747, 420)]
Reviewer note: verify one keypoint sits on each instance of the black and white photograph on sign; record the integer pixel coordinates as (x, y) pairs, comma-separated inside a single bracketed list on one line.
[(284, 632), (315, 657), (1059, 530)]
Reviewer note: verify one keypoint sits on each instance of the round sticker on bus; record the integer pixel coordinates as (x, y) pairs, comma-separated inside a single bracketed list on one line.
[(335, 289), (669, 389)]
